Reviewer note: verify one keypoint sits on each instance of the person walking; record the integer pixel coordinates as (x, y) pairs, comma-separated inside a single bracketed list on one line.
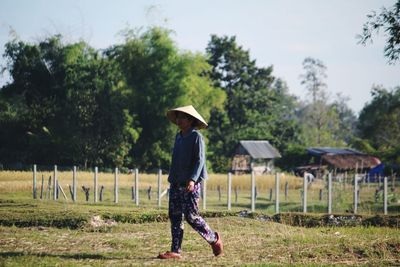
[(187, 171)]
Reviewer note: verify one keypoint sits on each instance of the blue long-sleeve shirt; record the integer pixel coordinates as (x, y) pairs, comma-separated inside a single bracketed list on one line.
[(188, 159)]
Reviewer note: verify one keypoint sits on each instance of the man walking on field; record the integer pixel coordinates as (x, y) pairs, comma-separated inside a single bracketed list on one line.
[(187, 171)]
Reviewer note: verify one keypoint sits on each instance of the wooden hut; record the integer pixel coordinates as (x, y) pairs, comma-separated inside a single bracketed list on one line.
[(254, 155)]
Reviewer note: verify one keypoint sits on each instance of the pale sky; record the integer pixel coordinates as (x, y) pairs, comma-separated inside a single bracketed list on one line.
[(280, 33)]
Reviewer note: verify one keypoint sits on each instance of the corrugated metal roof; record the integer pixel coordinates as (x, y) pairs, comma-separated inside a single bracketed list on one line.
[(319, 151), (260, 149)]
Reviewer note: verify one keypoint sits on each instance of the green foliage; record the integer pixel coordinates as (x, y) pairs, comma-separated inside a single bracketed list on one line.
[(389, 22), (70, 104), (295, 155), (257, 105), (379, 123), (64, 105), (323, 123), (159, 77)]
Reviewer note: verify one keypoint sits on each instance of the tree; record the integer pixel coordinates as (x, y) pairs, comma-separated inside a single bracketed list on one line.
[(254, 106), (313, 78), (347, 119), (320, 121), (160, 77), (64, 105), (379, 123), (389, 21), (378, 119)]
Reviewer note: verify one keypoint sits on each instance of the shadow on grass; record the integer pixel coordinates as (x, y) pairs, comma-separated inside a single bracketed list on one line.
[(80, 256), (283, 206), (11, 254)]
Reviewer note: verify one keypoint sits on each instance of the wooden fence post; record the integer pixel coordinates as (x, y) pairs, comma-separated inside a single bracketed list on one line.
[(253, 191), (277, 183), (286, 190), (229, 190), (48, 192), (70, 191), (62, 191), (219, 192), (74, 184), (55, 183), (137, 187), (34, 182), (42, 187), (116, 185), (236, 194), (101, 193), (385, 195), (86, 190), (305, 183), (159, 187), (95, 189), (149, 193)]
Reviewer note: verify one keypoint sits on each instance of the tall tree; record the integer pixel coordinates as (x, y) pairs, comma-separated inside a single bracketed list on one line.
[(389, 21), (252, 109), (379, 123), (159, 78), (64, 104), (347, 119), (320, 121)]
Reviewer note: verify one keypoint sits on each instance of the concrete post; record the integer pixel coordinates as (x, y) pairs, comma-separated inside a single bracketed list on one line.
[(277, 192), (229, 190), (253, 192), (95, 188)]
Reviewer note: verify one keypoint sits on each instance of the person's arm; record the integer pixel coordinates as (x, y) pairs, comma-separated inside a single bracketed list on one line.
[(199, 157), (172, 167)]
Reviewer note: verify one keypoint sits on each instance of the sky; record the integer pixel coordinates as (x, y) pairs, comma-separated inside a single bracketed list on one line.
[(278, 33)]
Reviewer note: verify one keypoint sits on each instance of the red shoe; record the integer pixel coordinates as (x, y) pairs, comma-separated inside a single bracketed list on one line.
[(217, 247), (169, 255)]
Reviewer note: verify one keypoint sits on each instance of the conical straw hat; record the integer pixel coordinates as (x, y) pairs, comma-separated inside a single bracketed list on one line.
[(190, 110)]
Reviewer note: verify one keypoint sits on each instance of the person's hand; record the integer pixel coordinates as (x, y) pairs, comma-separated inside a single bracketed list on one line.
[(190, 186)]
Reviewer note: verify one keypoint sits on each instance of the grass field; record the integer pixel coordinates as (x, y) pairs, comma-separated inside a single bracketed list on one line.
[(18, 185), (137, 243), (59, 233)]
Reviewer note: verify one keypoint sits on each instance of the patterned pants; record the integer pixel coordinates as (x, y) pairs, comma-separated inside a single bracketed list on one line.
[(183, 204)]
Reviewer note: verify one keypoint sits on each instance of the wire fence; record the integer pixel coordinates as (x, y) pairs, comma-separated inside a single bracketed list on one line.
[(266, 193)]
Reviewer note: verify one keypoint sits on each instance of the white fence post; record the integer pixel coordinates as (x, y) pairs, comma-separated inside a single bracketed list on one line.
[(305, 182), (34, 182), (116, 185), (55, 183), (74, 184), (253, 191), (95, 188), (277, 183), (159, 187), (229, 190), (385, 195), (204, 183), (355, 193), (330, 193), (137, 187)]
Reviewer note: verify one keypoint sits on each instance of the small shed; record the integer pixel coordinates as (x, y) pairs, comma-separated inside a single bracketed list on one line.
[(254, 155), (340, 160), (343, 158)]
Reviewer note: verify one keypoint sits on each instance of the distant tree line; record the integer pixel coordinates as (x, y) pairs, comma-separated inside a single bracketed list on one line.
[(71, 104)]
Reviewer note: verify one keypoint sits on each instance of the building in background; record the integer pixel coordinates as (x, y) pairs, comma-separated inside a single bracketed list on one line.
[(254, 155)]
